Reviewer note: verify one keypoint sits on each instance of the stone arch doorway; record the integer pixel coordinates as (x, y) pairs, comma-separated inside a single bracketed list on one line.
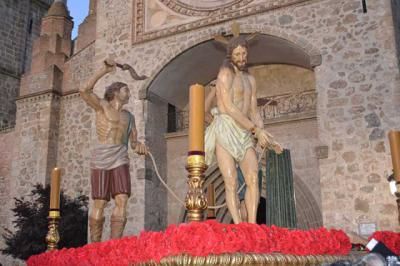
[(200, 64), (307, 210)]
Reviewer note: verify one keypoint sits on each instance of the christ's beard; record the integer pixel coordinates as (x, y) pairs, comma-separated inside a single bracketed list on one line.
[(241, 67)]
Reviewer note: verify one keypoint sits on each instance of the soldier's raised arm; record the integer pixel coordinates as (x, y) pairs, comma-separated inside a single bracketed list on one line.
[(86, 91)]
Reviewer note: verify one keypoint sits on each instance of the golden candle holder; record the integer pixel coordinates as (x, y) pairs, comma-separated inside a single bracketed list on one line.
[(53, 237), (196, 201)]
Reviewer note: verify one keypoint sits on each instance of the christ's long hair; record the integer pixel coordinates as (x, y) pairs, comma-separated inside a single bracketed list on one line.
[(234, 43)]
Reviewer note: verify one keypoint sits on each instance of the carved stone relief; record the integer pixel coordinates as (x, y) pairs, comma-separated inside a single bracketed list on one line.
[(203, 7), (158, 18)]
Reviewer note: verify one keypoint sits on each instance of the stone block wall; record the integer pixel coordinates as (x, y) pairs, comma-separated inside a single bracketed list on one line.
[(14, 26), (8, 85), (46, 80), (37, 134), (74, 145), (78, 69), (8, 140), (358, 104), (396, 22)]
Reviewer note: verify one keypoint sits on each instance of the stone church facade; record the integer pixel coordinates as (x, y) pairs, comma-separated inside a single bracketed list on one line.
[(330, 68)]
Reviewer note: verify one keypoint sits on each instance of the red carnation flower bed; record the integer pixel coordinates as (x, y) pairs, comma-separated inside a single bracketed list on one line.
[(200, 239)]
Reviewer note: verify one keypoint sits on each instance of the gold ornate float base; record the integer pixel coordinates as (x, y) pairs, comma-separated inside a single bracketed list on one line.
[(252, 259)]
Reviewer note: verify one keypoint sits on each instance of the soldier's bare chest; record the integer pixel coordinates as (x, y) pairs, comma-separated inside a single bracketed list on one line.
[(113, 118)]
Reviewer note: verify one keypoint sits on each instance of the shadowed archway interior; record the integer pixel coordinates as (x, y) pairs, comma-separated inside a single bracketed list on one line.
[(200, 64)]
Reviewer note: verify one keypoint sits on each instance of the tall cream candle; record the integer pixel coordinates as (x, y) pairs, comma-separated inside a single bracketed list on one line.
[(196, 118), (55, 188)]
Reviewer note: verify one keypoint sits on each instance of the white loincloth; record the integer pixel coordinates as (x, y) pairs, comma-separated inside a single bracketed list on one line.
[(227, 133), (109, 156)]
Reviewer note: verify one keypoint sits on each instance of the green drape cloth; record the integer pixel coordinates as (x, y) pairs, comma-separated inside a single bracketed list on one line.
[(280, 205)]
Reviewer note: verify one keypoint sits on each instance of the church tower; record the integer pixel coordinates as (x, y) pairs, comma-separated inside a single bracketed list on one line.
[(39, 101), (20, 23)]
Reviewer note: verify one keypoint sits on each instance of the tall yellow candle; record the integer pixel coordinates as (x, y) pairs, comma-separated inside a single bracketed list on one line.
[(196, 118), (394, 140), (55, 188)]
